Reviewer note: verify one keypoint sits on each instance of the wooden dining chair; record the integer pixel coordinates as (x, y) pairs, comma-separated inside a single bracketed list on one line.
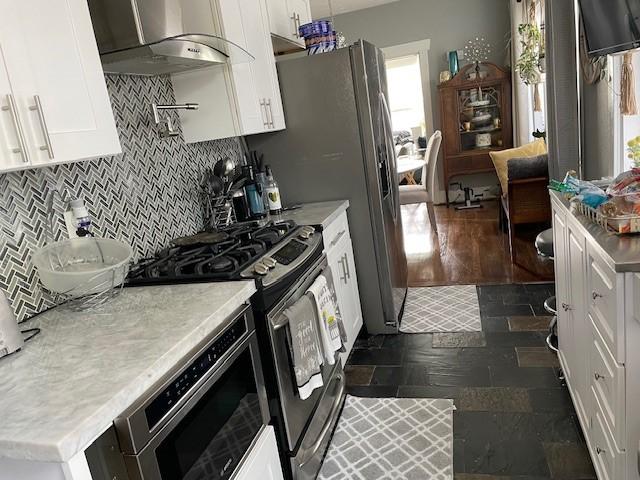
[(423, 191)]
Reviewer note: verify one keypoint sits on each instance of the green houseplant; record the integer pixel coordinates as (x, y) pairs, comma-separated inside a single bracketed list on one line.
[(527, 64)]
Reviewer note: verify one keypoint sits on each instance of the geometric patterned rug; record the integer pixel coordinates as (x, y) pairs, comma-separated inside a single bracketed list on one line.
[(392, 439), (442, 309)]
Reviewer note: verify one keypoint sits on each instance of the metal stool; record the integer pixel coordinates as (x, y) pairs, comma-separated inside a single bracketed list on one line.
[(544, 245)]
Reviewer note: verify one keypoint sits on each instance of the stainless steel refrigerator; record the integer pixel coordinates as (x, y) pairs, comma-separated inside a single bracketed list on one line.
[(339, 145)]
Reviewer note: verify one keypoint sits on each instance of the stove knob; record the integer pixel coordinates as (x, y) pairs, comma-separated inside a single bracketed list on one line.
[(269, 262), (260, 269), (304, 235)]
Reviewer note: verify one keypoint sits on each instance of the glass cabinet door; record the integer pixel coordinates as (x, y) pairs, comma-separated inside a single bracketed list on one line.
[(480, 119)]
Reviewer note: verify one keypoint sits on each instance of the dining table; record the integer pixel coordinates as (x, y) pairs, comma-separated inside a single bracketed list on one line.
[(408, 165)]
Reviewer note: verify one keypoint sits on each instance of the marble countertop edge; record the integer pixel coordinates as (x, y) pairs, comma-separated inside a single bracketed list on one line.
[(61, 448)]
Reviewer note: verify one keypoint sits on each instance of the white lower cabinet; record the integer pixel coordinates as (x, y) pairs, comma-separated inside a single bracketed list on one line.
[(599, 338), (339, 250), (263, 462)]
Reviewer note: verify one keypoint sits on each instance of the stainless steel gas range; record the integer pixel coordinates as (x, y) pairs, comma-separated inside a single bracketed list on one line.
[(284, 259)]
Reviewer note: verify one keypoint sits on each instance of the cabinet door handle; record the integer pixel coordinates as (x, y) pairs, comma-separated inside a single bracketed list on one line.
[(338, 237), (263, 112), (269, 113), (597, 376), (566, 307), (43, 124), (595, 295), (346, 263), (600, 450), (22, 149), (295, 19), (343, 276)]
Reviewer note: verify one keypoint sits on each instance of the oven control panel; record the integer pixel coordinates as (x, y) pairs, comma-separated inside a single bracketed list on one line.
[(284, 258), (172, 394), (287, 254)]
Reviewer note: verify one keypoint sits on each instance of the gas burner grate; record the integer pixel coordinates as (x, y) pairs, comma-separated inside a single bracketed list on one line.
[(211, 260)]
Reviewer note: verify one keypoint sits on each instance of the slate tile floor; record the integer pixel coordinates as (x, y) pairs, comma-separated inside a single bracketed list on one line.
[(514, 420)]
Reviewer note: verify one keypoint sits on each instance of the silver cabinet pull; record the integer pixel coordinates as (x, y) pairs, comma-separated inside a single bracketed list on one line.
[(600, 450), (295, 18), (346, 263), (343, 278), (263, 112), (298, 24), (597, 376), (595, 295), (43, 124), (270, 123), (22, 149), (566, 307)]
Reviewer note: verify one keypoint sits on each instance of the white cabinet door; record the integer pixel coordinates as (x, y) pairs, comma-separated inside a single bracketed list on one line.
[(354, 297), (13, 152), (56, 77), (280, 20), (263, 462), (580, 326), (285, 17), (565, 327), (237, 99), (243, 24), (301, 9), (341, 262)]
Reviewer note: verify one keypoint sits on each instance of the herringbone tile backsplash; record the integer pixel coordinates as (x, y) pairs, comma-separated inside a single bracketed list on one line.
[(145, 196)]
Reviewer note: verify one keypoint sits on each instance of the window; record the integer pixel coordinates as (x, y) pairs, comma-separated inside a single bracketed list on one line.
[(405, 94)]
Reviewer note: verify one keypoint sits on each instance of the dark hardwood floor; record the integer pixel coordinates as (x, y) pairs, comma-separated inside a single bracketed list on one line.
[(469, 248)]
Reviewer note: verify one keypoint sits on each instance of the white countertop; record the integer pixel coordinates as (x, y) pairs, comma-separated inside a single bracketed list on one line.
[(66, 386), (318, 213)]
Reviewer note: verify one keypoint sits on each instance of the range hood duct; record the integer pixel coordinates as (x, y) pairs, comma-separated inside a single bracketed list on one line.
[(152, 37)]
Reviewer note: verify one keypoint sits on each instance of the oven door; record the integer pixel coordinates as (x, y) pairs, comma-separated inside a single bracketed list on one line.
[(298, 415), (208, 437)]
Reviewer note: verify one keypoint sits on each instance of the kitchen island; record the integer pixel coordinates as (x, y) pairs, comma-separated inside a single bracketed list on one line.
[(66, 387), (598, 311)]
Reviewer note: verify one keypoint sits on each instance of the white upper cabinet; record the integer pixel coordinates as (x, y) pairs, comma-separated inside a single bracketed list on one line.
[(285, 17), (235, 99), (53, 98)]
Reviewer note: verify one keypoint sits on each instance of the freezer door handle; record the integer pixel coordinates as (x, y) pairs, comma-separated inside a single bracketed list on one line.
[(390, 153)]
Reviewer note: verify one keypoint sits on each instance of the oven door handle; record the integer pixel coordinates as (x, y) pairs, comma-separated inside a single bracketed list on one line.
[(311, 452), (275, 318)]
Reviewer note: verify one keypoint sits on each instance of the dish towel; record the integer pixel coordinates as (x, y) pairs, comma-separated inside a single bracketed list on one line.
[(303, 342), (331, 330)]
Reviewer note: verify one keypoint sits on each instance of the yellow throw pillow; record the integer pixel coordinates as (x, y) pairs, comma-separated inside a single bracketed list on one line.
[(500, 159)]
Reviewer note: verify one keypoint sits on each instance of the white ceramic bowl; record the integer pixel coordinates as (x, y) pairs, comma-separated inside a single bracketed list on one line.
[(83, 266)]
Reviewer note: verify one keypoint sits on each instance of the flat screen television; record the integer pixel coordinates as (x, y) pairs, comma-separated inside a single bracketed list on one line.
[(610, 25)]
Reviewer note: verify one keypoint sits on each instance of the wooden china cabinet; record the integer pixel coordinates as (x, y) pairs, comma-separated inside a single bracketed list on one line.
[(475, 112)]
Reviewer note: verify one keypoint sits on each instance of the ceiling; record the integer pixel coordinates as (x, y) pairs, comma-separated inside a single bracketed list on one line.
[(320, 8)]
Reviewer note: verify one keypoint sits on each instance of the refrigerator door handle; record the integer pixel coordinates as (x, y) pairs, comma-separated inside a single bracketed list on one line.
[(391, 153)]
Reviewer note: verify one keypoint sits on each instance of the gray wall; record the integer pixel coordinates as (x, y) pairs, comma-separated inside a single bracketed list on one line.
[(448, 23), (597, 130)]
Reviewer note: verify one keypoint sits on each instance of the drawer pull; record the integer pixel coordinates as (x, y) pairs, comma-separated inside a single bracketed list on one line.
[(597, 376), (600, 450), (338, 237), (595, 295), (566, 307)]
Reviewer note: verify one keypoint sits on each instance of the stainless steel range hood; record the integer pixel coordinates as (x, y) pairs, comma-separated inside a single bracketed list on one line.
[(155, 37)]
